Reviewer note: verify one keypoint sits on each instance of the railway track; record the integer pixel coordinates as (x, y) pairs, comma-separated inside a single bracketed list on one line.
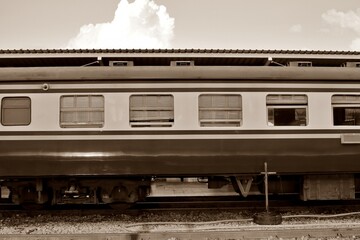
[(314, 231), (154, 204), (186, 203), (230, 202), (183, 218)]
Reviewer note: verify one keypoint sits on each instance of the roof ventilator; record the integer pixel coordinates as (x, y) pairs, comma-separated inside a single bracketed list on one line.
[(182, 63), (121, 63), (351, 64), (299, 64)]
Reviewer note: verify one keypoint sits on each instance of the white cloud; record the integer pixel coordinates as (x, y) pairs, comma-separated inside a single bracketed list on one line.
[(355, 45), (296, 28), (141, 24), (347, 20), (350, 19)]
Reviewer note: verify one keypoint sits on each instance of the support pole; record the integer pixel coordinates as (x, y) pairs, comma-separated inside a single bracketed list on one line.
[(267, 217), (266, 187), (266, 181)]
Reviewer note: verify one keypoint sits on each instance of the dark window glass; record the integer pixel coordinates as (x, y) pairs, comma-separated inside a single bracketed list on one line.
[(15, 111), (287, 110), (346, 109)]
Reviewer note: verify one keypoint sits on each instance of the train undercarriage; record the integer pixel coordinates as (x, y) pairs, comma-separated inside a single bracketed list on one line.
[(110, 190)]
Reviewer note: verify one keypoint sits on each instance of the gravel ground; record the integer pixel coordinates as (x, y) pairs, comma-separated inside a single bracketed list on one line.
[(48, 224), (157, 221)]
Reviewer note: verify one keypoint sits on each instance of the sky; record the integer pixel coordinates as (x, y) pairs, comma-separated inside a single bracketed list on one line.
[(191, 24)]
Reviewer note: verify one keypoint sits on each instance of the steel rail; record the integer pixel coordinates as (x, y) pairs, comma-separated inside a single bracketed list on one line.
[(337, 231)]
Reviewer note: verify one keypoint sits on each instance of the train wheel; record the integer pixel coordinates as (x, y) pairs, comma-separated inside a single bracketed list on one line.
[(28, 196), (129, 193)]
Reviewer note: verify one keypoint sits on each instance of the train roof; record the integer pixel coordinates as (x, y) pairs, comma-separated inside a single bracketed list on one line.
[(164, 57)]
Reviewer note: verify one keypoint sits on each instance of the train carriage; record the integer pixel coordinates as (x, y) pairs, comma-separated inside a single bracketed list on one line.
[(100, 126)]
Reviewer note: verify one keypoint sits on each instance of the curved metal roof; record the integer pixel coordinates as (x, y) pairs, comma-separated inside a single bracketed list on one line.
[(162, 57), (227, 51)]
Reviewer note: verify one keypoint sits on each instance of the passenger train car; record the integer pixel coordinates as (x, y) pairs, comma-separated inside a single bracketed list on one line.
[(100, 126)]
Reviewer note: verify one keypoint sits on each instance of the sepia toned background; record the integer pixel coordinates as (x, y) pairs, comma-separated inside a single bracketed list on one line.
[(236, 24)]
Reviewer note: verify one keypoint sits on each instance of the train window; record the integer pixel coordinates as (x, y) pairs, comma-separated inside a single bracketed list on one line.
[(346, 109), (15, 111), (220, 110), (81, 111), (287, 110), (151, 110)]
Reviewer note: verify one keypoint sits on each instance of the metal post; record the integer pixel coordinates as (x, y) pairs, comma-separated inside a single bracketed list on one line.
[(266, 180), (266, 188), (267, 218)]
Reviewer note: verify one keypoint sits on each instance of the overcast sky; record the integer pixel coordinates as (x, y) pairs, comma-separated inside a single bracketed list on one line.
[(231, 24)]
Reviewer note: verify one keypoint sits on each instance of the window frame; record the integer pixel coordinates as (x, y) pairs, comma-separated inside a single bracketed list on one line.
[(345, 105), (284, 105), (88, 110), (27, 123), (144, 123), (238, 122)]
